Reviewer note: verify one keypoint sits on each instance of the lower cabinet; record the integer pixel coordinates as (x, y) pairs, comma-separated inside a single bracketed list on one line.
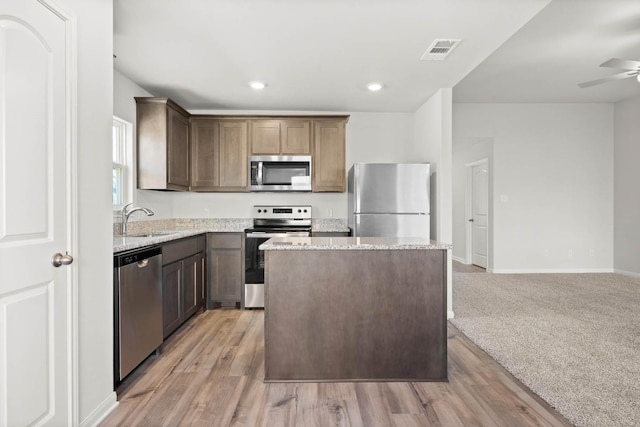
[(193, 284), (183, 275), (225, 269)]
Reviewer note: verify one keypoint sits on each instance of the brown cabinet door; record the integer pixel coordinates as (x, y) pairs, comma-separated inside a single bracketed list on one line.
[(201, 277), (177, 150), (329, 169), (225, 269), (274, 137), (233, 156), (295, 137), (265, 137), (162, 131), (151, 144), (192, 285), (171, 297), (225, 272), (205, 154)]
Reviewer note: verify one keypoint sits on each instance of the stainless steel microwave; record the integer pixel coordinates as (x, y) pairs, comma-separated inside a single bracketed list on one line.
[(280, 173)]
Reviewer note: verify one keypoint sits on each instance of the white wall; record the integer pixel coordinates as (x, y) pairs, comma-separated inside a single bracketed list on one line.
[(95, 251), (124, 90), (627, 178), (432, 140), (552, 183)]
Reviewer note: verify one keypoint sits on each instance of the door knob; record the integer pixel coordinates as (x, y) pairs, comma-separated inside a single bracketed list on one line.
[(58, 259)]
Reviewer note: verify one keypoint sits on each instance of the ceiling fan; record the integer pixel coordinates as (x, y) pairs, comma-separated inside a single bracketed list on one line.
[(632, 67)]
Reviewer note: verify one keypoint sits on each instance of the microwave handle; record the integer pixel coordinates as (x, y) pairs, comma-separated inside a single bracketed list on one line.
[(259, 177)]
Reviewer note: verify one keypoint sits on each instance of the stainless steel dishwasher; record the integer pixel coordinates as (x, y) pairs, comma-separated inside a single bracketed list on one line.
[(137, 307)]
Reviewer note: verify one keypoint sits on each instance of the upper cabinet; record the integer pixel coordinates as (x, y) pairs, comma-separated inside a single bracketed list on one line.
[(205, 154), (234, 166), (329, 168), (281, 137), (265, 137), (179, 151), (163, 145), (219, 154)]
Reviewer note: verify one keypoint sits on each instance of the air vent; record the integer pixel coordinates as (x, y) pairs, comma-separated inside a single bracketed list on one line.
[(440, 49)]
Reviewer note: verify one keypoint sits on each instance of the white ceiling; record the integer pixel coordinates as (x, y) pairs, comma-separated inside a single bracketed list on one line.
[(560, 47), (318, 55)]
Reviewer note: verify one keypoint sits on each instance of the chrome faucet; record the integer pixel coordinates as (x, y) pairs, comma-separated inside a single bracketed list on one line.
[(126, 213)]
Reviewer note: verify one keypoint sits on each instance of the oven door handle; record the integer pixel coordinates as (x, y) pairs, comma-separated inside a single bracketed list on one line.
[(259, 234)]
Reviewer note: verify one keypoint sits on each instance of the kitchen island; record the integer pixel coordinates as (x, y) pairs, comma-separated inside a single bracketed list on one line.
[(355, 309)]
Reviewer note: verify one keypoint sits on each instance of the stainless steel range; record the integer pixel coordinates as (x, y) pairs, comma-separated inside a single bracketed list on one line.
[(269, 221)]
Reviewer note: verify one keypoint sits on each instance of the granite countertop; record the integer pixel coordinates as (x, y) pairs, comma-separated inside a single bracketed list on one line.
[(172, 229), (125, 243), (351, 243)]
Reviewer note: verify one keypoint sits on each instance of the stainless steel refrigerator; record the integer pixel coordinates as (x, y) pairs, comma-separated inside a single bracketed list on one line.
[(389, 199)]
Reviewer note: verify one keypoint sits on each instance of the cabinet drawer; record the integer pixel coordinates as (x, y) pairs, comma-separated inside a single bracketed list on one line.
[(224, 240), (181, 249)]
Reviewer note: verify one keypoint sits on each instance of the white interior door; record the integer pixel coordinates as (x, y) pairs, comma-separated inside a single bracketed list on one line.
[(480, 214), (35, 297)]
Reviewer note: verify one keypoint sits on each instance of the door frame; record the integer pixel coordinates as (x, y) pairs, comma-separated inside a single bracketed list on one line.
[(468, 210)]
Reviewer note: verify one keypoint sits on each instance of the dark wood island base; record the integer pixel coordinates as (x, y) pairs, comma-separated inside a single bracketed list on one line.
[(338, 311)]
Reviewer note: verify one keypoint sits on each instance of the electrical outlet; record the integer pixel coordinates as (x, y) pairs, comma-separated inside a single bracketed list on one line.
[(546, 252), (330, 212), (570, 252), (592, 252), (206, 212)]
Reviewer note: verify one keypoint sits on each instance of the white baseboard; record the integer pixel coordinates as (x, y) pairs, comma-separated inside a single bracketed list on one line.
[(101, 412), (551, 270), (627, 273), (460, 260)]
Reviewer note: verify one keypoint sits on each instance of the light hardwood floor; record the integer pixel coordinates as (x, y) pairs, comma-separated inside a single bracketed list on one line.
[(210, 374)]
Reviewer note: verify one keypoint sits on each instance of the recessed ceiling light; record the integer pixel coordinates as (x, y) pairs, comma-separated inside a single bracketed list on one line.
[(257, 85), (374, 87)]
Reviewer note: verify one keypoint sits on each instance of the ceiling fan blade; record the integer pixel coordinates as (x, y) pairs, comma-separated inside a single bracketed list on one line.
[(623, 64), (611, 78)]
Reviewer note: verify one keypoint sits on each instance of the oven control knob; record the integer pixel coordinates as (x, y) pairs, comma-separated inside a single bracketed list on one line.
[(305, 211), (299, 211), (259, 210)]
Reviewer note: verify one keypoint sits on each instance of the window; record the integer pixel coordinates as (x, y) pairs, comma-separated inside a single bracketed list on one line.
[(122, 160)]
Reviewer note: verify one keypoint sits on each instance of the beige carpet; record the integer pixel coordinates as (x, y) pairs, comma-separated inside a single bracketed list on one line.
[(574, 339)]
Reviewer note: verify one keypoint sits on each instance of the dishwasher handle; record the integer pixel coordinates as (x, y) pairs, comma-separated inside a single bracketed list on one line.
[(143, 263), (136, 256)]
